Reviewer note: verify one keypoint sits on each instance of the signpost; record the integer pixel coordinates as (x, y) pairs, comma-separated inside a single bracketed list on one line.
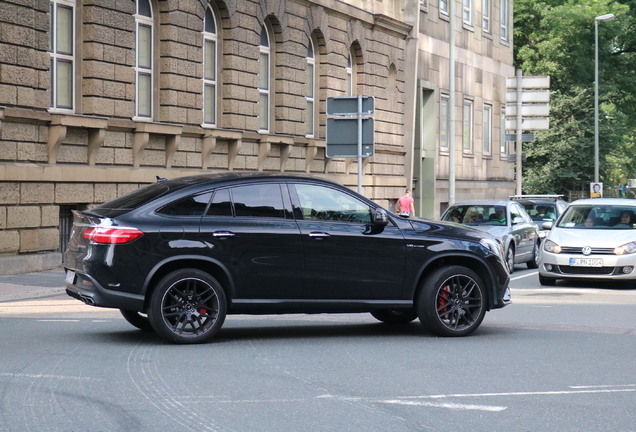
[(350, 133), (528, 105)]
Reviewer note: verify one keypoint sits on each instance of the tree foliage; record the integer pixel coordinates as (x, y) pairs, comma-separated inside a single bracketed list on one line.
[(556, 38)]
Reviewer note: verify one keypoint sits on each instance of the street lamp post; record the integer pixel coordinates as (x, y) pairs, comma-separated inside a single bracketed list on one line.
[(606, 17)]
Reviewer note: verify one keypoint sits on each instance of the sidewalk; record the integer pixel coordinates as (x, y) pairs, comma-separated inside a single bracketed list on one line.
[(32, 285)]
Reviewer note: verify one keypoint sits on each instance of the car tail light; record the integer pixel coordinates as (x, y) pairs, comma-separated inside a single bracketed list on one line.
[(104, 235)]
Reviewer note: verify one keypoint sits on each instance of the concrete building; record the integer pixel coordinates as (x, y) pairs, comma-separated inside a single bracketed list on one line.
[(99, 97)]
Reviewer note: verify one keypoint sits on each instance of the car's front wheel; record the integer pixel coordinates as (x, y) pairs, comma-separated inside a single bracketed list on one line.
[(187, 306), (395, 316), (510, 258), (452, 301), (547, 281), (137, 319), (534, 262)]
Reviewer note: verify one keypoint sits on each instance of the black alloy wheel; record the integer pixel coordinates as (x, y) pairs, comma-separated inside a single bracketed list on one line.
[(395, 316), (137, 319), (188, 306), (452, 301)]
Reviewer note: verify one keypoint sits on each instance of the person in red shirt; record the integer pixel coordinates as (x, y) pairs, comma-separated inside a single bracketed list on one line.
[(405, 205)]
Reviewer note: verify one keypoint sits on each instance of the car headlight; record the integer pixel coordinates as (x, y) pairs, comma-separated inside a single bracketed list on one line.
[(627, 248), (550, 246), (493, 246)]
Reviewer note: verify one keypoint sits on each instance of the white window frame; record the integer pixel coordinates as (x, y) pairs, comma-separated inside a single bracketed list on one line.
[(467, 12), (58, 57), (487, 130), (443, 7), (503, 144), (503, 20), (444, 126), (485, 15), (467, 126), (310, 91), (210, 82), (265, 92), (142, 20)]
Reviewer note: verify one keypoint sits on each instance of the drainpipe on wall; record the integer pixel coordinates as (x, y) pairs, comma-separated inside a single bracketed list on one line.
[(411, 15), (451, 103)]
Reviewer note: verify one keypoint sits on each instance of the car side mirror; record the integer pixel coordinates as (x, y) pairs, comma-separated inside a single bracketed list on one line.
[(380, 217), (518, 220), (547, 225)]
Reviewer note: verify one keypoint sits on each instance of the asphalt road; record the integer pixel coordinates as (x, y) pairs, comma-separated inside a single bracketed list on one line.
[(557, 359)]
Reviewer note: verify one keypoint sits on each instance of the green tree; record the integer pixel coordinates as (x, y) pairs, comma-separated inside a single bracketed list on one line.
[(556, 38)]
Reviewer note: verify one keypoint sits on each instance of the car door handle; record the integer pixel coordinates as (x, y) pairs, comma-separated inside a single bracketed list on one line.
[(318, 235), (223, 234)]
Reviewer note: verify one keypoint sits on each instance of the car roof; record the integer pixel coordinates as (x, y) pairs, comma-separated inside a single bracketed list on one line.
[(481, 202), (605, 201)]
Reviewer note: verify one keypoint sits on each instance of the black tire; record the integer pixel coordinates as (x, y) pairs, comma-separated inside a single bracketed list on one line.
[(547, 281), (510, 258), (137, 319), (534, 262), (395, 316), (452, 301), (188, 306)]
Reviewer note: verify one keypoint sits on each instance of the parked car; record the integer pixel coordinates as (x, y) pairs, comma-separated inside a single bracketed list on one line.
[(593, 239), (542, 208), (507, 221), (177, 256)]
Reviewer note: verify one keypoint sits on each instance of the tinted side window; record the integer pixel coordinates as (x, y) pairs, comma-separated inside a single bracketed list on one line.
[(323, 203), (190, 206), (259, 200), (221, 204)]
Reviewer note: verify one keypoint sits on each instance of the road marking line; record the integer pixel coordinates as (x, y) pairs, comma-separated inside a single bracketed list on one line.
[(524, 276), (58, 320), (603, 386), (540, 393), (446, 405)]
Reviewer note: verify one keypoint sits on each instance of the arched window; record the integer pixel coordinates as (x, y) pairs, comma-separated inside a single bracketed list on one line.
[(144, 60), (264, 81), (350, 83), (62, 43), (209, 68), (311, 88)]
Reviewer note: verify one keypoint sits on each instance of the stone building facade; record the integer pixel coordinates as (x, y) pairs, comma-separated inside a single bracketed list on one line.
[(99, 97)]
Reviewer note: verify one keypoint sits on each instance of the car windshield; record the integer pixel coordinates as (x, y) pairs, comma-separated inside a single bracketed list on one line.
[(477, 215), (591, 216), (541, 212)]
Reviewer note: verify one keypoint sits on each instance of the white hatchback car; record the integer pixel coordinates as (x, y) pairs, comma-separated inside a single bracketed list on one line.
[(594, 239)]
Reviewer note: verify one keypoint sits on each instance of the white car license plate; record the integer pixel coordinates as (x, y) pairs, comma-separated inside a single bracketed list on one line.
[(70, 277), (586, 262)]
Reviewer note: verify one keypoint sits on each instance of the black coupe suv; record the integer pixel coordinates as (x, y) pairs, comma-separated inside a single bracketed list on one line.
[(179, 255)]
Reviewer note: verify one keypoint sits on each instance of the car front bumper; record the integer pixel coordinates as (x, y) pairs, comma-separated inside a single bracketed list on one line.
[(617, 267)]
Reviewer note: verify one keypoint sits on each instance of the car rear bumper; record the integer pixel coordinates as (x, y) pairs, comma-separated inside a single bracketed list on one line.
[(85, 288)]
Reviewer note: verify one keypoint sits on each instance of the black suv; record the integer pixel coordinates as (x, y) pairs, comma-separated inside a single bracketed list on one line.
[(179, 255)]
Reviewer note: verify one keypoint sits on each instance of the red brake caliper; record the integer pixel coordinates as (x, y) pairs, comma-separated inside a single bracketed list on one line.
[(442, 299)]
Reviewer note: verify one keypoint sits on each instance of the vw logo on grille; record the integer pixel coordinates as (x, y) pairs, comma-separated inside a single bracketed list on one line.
[(586, 250)]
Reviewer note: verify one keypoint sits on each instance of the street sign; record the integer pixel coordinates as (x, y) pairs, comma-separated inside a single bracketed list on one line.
[(534, 110), (342, 137), (529, 82), (530, 123), (528, 96), (348, 105), (512, 158), (529, 137)]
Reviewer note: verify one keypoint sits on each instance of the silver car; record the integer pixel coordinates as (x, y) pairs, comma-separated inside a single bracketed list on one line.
[(507, 221), (594, 239)]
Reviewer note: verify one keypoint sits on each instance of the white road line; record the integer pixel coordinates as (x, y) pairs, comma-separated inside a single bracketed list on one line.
[(58, 320), (524, 276), (454, 406), (603, 386), (540, 393)]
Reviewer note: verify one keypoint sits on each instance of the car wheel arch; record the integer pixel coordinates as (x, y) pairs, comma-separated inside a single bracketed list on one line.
[(465, 260), (213, 267)]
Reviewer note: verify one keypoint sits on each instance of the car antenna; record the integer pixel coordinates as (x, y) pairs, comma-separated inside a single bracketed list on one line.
[(160, 179)]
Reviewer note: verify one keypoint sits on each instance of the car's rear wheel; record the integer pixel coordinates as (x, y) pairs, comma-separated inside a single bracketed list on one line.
[(510, 258), (137, 319), (534, 262), (395, 316), (188, 306), (452, 301), (547, 281)]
